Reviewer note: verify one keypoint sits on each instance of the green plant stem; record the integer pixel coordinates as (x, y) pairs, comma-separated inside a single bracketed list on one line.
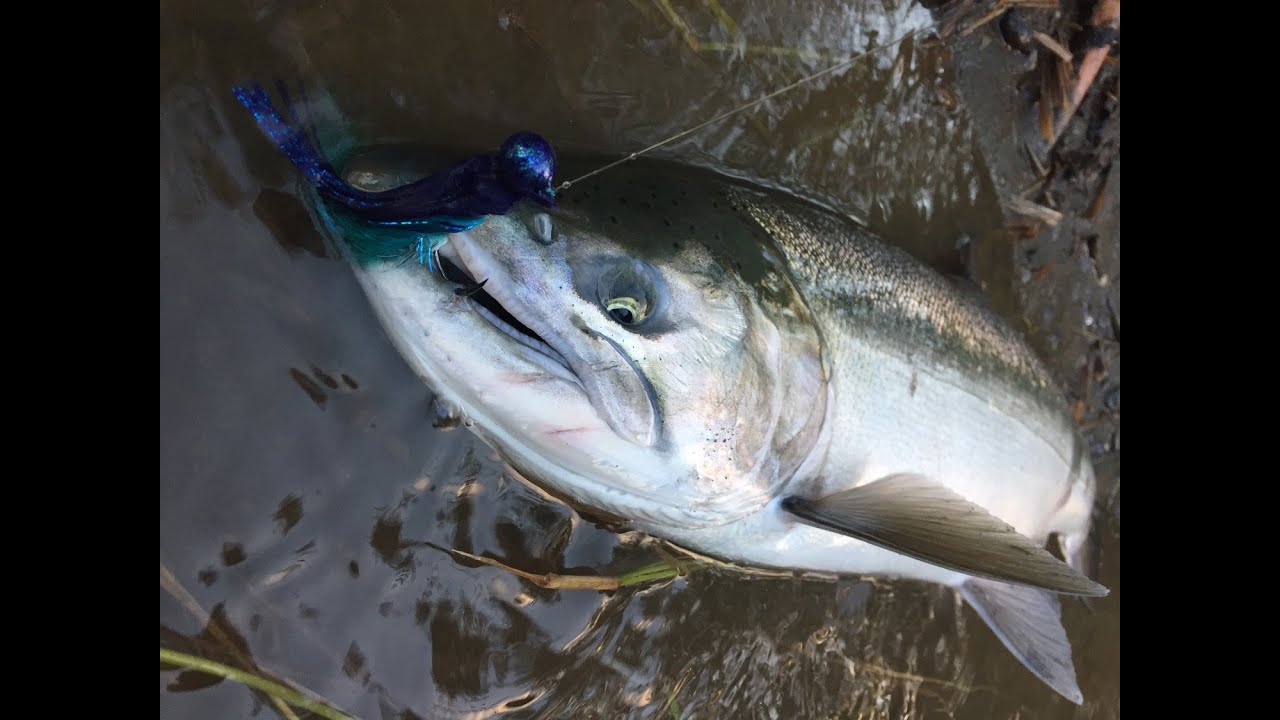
[(657, 571), (274, 689)]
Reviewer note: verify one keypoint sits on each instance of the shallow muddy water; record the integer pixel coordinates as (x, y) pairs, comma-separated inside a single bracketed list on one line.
[(305, 498)]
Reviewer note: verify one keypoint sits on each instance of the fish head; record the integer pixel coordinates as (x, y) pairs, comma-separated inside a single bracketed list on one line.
[(640, 349)]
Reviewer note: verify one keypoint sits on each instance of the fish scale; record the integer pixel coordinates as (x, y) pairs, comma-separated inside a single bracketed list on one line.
[(911, 349)]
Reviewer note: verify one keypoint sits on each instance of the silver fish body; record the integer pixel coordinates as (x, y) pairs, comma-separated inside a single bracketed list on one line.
[(922, 379), (687, 353)]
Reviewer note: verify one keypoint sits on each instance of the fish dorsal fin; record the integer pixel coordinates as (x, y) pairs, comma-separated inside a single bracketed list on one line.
[(920, 518)]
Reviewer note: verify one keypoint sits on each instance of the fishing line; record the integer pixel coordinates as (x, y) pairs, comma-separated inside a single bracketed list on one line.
[(462, 196), (802, 81)]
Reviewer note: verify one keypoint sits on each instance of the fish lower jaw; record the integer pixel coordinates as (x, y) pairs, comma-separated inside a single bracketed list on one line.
[(477, 295)]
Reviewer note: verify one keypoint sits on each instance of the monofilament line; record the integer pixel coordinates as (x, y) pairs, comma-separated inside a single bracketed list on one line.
[(838, 66)]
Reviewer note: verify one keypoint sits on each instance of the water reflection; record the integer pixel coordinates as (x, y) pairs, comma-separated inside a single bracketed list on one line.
[(309, 511)]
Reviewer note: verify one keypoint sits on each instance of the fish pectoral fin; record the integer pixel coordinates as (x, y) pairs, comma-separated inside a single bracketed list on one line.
[(920, 518), (1029, 622)]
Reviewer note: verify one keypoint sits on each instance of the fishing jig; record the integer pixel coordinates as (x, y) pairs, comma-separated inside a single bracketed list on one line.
[(453, 200), (461, 196)]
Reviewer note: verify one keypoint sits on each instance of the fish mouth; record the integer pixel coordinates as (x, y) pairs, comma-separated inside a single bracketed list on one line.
[(481, 283), (594, 363)]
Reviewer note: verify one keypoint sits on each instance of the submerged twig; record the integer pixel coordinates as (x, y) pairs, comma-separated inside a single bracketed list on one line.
[(952, 13), (276, 691), (1034, 211), (551, 581), (677, 22), (557, 581), (995, 11), (987, 17), (1052, 45), (1105, 19), (899, 675), (671, 697), (723, 17), (175, 588)]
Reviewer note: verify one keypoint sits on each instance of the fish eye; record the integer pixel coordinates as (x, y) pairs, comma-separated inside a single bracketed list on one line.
[(626, 310), (625, 291), (543, 229)]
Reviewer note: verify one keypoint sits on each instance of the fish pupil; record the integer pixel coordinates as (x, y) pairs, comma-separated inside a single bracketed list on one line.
[(622, 315)]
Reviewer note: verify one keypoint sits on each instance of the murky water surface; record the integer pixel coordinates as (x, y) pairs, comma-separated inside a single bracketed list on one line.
[(305, 496)]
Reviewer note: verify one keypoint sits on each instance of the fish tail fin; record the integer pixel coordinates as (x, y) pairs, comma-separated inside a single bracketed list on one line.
[(1029, 623), (296, 136)]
